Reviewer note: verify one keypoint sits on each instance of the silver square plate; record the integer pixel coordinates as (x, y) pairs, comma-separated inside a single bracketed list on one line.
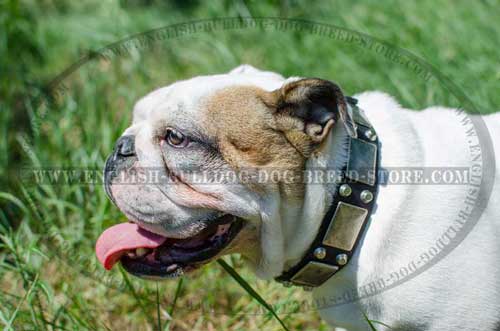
[(314, 274), (362, 161), (345, 226)]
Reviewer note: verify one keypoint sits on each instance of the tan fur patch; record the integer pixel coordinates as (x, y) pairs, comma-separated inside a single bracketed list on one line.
[(243, 122)]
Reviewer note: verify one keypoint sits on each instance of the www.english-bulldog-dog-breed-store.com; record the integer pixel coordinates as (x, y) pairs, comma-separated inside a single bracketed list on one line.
[(330, 236)]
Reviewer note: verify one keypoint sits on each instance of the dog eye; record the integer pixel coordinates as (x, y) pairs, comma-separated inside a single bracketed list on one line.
[(176, 138)]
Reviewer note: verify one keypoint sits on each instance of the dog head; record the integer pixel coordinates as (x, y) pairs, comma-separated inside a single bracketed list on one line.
[(202, 170)]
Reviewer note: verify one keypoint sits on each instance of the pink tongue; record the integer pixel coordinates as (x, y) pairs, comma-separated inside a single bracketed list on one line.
[(118, 239)]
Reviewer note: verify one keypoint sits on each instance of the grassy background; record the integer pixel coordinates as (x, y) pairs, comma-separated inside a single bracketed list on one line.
[(49, 276)]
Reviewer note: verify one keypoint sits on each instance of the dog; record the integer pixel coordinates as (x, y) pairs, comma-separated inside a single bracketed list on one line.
[(248, 121)]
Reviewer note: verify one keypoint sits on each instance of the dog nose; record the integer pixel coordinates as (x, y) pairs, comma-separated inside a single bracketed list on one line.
[(125, 146)]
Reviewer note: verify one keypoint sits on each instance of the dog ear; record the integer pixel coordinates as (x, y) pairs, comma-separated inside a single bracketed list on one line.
[(307, 109)]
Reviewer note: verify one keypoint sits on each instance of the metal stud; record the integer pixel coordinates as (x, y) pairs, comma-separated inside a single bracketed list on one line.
[(366, 196), (308, 288), (371, 135), (320, 253), (342, 259), (345, 190)]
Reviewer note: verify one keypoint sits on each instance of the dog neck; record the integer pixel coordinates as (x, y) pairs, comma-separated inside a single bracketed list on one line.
[(301, 224), (288, 228)]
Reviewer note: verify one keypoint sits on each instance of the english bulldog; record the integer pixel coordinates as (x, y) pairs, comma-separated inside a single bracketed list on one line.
[(250, 121)]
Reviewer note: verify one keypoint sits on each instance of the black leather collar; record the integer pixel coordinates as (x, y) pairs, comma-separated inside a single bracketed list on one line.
[(344, 223)]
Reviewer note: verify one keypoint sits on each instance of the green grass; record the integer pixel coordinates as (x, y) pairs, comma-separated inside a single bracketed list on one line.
[(50, 279)]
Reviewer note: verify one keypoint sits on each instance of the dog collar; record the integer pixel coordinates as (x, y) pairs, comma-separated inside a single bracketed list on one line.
[(353, 203)]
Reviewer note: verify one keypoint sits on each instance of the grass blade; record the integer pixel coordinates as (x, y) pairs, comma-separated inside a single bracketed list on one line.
[(177, 294), (372, 322), (158, 307), (383, 324), (250, 290), (131, 289), (8, 325), (372, 327), (172, 307)]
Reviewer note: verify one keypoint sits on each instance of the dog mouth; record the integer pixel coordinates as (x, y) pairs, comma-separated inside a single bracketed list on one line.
[(148, 255)]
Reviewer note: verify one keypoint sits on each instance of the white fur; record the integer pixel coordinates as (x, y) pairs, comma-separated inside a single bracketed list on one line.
[(461, 292)]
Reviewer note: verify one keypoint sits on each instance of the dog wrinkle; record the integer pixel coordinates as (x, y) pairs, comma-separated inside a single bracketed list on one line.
[(201, 199)]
